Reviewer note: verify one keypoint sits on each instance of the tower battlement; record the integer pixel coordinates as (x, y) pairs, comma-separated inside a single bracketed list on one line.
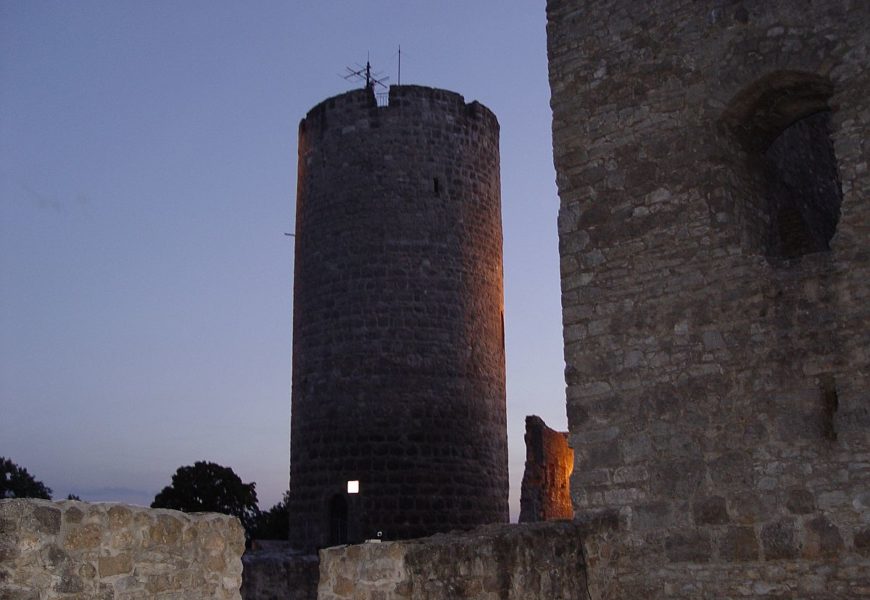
[(406, 103)]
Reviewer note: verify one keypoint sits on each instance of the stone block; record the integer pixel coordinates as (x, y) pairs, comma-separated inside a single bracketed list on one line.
[(823, 538), (738, 544), (779, 541), (710, 510), (689, 546), (115, 565), (800, 501)]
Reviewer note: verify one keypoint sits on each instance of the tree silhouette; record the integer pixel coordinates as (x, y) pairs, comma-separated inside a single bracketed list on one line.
[(16, 482), (274, 524), (209, 487)]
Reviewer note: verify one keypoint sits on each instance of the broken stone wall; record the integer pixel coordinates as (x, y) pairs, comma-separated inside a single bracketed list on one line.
[(717, 390), (545, 493), (53, 550), (495, 562)]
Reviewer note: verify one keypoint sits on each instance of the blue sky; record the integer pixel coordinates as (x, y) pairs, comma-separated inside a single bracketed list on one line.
[(147, 175)]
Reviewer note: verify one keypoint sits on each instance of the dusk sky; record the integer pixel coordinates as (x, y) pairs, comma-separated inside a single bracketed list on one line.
[(147, 177)]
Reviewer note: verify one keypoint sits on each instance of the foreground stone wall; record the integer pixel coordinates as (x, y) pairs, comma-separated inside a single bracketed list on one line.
[(545, 494), (504, 562), (272, 571), (53, 550), (717, 363)]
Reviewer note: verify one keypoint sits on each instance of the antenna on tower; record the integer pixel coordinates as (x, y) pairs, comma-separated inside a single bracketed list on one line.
[(364, 73)]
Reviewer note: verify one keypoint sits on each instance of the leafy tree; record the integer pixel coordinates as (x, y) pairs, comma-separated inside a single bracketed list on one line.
[(16, 482), (274, 523), (72, 497), (209, 487)]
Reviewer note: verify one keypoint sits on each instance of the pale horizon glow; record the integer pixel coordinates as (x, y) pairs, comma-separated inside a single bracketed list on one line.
[(147, 178)]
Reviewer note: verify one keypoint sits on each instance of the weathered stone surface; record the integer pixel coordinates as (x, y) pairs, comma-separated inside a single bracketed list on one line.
[(714, 235), (823, 538), (398, 339), (688, 547), (545, 494), (800, 501), (273, 570), (115, 565), (497, 562), (862, 541), (739, 544), (108, 551), (711, 510), (778, 540)]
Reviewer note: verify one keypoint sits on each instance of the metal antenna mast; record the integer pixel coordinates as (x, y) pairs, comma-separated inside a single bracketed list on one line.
[(364, 73)]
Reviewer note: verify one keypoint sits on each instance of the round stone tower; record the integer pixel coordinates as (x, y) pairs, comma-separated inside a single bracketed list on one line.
[(398, 335)]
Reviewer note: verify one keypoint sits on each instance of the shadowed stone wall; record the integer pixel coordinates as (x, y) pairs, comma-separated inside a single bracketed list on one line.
[(495, 562), (54, 550), (398, 346), (545, 494), (717, 382), (273, 572)]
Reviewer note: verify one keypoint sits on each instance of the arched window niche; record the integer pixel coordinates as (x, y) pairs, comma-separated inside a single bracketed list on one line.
[(791, 185)]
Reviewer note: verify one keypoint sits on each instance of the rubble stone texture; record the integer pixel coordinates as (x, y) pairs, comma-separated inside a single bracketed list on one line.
[(398, 341), (545, 494), (61, 550), (495, 562), (271, 571), (712, 165)]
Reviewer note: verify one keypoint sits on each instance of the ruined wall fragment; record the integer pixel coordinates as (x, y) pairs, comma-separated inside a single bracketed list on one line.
[(545, 493)]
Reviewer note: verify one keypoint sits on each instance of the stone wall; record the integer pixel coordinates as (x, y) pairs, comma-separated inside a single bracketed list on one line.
[(54, 550), (717, 381), (495, 562), (273, 572), (398, 345), (545, 493)]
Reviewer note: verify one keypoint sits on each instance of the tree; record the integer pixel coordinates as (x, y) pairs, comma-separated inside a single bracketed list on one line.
[(274, 524), (16, 482), (209, 487)]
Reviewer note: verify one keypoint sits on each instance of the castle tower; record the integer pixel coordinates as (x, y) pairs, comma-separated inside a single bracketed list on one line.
[(398, 340)]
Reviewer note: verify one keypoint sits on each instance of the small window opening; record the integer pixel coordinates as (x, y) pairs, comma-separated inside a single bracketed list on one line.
[(830, 404), (789, 182), (502, 330), (436, 186), (803, 188)]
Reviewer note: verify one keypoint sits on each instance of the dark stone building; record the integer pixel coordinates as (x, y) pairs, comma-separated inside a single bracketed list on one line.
[(398, 341), (712, 164)]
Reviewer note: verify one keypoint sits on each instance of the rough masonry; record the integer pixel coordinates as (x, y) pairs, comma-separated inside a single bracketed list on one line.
[(271, 570), (494, 562), (61, 550), (714, 231), (398, 339)]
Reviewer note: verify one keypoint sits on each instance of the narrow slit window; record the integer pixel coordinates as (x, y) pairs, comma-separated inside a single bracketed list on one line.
[(436, 186)]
